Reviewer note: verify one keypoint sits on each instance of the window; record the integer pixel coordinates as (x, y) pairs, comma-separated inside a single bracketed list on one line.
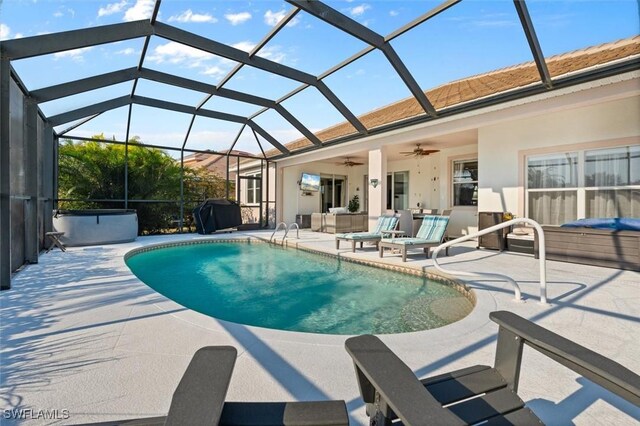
[(465, 183), (552, 181), (254, 194), (610, 175), (595, 183)]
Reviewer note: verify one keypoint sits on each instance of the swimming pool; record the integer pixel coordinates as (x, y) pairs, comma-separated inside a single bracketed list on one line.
[(259, 284)]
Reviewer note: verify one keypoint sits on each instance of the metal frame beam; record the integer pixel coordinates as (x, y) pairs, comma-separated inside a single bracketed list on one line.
[(78, 124), (31, 240), (168, 148), (534, 44), (58, 91), (83, 112), (79, 86), (202, 43), (186, 109), (355, 29), (5, 176), (171, 106), (22, 48)]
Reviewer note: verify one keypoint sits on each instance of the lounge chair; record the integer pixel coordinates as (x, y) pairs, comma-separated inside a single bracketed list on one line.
[(475, 394), (430, 234), (385, 223), (199, 400)]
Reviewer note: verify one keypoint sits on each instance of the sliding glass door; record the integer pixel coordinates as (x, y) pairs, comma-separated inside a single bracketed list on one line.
[(332, 192), (398, 191)]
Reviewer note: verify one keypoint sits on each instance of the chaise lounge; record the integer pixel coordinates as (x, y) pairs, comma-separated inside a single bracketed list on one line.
[(430, 234), (475, 394), (385, 223)]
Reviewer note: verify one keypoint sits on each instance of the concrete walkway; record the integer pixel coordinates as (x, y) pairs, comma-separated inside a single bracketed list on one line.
[(80, 333)]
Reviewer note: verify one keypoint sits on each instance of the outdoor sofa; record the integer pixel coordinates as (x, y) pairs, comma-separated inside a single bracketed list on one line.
[(476, 394), (334, 223), (385, 223), (430, 234)]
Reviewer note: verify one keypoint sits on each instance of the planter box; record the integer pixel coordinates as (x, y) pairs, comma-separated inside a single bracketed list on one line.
[(598, 247)]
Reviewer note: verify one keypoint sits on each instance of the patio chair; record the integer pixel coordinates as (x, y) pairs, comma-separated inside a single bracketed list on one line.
[(472, 395), (430, 234), (199, 400), (385, 223)]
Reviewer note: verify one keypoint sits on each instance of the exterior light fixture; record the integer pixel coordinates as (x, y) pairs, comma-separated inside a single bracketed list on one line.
[(374, 182)]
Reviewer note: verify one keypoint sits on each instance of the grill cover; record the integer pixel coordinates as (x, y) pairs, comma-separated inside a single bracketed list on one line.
[(216, 214)]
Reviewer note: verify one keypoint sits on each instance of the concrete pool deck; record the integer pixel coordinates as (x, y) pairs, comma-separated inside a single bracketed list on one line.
[(80, 333)]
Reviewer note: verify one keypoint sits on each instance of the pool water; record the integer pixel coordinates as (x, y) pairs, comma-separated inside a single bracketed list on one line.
[(268, 286)]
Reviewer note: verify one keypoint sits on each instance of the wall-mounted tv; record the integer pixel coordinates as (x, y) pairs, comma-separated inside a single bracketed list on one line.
[(309, 182)]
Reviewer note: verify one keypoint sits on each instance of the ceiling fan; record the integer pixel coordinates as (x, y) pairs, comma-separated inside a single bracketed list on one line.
[(348, 162), (419, 152)]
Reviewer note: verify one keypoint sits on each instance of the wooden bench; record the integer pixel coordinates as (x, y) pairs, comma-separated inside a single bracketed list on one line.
[(480, 393)]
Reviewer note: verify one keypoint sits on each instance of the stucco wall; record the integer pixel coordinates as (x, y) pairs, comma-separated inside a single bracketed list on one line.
[(501, 147)]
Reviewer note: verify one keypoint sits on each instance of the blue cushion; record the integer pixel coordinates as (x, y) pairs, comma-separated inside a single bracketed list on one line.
[(385, 223), (433, 227), (615, 223), (410, 241), (362, 236)]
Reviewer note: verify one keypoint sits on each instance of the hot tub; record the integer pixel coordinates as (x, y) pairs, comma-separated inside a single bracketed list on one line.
[(96, 227)]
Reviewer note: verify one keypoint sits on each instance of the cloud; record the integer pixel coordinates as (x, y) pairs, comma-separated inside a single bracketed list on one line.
[(4, 31), (394, 13), (127, 52), (273, 53), (272, 18), (359, 10), (487, 20), (237, 18), (189, 16), (143, 9), (18, 35), (176, 53), (60, 12), (76, 55), (112, 8), (214, 71)]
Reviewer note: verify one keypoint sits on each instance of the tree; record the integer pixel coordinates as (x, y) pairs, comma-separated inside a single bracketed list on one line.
[(94, 170)]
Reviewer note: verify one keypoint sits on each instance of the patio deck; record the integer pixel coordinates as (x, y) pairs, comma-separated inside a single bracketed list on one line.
[(81, 333)]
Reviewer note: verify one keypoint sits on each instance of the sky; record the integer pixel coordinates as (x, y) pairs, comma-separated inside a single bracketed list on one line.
[(472, 37)]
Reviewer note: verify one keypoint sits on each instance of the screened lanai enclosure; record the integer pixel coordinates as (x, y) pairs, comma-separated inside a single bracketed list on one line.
[(250, 103)]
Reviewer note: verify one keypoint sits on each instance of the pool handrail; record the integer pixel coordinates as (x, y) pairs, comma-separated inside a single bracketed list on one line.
[(516, 287), (277, 229), (289, 229)]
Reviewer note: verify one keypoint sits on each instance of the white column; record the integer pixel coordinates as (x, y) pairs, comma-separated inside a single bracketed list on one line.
[(378, 195)]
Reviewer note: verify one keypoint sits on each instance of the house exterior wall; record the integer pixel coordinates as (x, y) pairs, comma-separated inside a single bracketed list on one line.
[(502, 148)]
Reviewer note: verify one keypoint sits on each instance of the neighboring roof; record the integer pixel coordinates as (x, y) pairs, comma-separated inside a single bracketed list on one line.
[(480, 86), (215, 163)]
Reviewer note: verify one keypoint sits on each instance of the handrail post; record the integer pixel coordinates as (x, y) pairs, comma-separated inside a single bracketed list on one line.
[(541, 253)]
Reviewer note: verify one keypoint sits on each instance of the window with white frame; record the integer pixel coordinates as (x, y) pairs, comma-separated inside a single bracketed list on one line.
[(592, 183), (465, 183), (254, 193)]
